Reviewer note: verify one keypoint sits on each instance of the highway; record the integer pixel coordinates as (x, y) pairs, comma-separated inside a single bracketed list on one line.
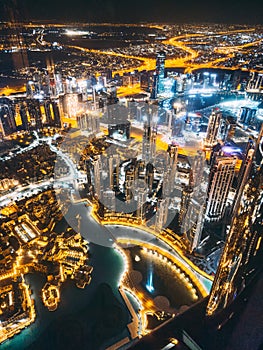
[(187, 62), (191, 54)]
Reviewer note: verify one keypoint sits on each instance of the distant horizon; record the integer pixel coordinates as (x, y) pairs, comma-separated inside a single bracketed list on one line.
[(136, 11), (82, 21)]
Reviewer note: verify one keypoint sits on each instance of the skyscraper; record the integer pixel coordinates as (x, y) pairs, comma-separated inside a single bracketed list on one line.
[(243, 174), (197, 169), (220, 181), (149, 176), (89, 122), (192, 225), (149, 143), (158, 79), (162, 213), (169, 171), (228, 127), (24, 116), (131, 174), (97, 165), (213, 128), (7, 120), (114, 164), (172, 155), (185, 201), (140, 193), (242, 255), (191, 215)]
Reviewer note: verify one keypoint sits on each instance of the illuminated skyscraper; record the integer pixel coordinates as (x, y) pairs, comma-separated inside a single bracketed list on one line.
[(114, 164), (228, 127), (213, 128), (97, 168), (161, 213), (185, 201), (131, 174), (247, 115), (51, 112), (169, 171), (197, 169), (140, 193), (193, 222), (244, 173), (149, 143), (242, 255), (158, 79), (220, 180), (172, 155), (191, 216)]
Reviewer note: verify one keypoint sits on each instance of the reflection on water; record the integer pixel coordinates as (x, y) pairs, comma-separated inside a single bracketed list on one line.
[(107, 265), (159, 279)]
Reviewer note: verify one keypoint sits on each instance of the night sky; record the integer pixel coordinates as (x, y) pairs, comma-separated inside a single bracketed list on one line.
[(172, 11)]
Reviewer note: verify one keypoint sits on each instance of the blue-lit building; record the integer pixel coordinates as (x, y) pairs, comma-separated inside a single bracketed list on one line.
[(158, 79)]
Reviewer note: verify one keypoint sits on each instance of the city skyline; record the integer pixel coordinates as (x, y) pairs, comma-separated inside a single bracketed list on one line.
[(131, 185)]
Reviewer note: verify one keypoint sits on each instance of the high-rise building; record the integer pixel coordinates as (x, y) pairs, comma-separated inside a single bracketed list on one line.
[(140, 193), (71, 105), (247, 115), (213, 128), (109, 200), (51, 113), (36, 118), (97, 167), (172, 155), (89, 122), (131, 174), (197, 169), (169, 171), (146, 80), (242, 254), (114, 166), (193, 222), (185, 201), (228, 127), (244, 173), (160, 70), (256, 81), (191, 216), (158, 79), (161, 213), (24, 116), (149, 143), (220, 181), (149, 176), (7, 117)]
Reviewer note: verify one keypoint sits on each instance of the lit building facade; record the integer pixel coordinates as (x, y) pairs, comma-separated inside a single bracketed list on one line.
[(191, 216), (242, 255), (213, 128), (161, 213), (149, 143), (158, 78), (220, 181)]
